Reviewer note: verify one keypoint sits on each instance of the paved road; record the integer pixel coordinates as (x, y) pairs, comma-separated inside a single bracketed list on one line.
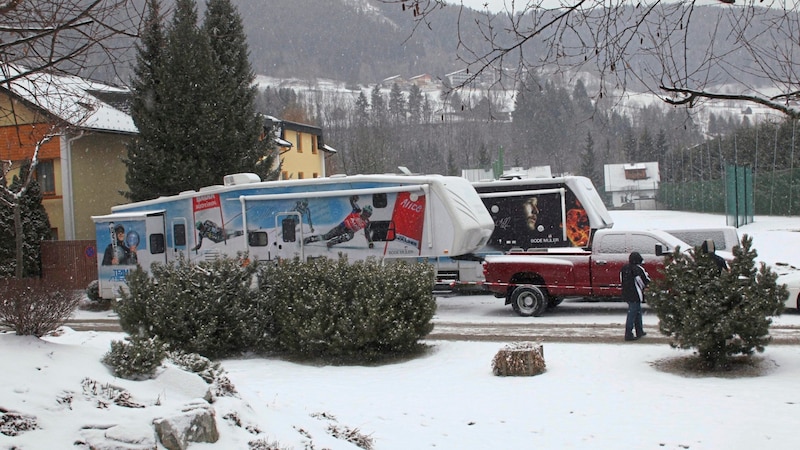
[(503, 332), (589, 333)]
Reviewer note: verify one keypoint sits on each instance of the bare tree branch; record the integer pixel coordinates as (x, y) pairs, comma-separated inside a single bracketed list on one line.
[(728, 50), (70, 36)]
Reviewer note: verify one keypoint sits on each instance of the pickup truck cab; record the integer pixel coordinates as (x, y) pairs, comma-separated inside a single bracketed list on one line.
[(532, 281)]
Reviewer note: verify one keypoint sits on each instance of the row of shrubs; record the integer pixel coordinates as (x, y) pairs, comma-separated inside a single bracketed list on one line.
[(322, 309)]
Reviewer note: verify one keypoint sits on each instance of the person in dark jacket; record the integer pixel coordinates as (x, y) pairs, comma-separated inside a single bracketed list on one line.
[(634, 279), (709, 247)]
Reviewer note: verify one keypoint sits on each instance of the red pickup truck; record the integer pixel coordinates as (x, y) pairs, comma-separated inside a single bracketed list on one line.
[(532, 281)]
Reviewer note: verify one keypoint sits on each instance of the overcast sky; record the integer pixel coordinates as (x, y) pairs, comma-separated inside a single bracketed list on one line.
[(501, 5), (493, 5)]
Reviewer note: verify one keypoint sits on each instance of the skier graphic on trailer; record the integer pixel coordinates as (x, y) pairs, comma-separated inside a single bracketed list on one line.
[(118, 252), (357, 220), (213, 232), (302, 208)]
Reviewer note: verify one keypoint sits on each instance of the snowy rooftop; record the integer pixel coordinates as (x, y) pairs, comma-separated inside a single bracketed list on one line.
[(72, 99)]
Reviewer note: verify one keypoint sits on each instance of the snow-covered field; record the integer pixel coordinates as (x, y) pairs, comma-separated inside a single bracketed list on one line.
[(597, 396)]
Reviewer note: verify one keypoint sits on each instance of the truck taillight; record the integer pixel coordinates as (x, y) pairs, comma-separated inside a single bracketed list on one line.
[(484, 264)]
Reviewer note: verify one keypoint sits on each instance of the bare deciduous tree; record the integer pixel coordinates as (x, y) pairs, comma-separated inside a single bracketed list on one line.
[(684, 51), (72, 37)]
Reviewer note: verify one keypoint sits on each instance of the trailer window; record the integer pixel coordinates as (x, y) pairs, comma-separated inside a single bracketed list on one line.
[(382, 230), (379, 201), (288, 229), (179, 231), (257, 239), (157, 243)]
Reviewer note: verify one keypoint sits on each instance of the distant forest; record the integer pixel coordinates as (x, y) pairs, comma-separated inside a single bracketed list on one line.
[(552, 122)]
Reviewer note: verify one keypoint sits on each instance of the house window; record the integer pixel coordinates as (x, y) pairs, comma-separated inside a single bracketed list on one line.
[(635, 174), (315, 175), (314, 145), (299, 142), (284, 175), (300, 175), (45, 176)]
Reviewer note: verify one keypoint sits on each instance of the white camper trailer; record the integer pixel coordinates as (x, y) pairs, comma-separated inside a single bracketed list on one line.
[(360, 216), (533, 214)]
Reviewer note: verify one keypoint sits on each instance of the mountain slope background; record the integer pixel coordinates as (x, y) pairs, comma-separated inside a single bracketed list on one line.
[(367, 41)]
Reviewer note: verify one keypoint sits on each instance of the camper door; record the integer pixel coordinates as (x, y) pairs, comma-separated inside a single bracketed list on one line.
[(125, 240)]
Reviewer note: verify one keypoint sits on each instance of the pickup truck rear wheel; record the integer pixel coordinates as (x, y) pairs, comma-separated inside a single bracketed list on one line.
[(528, 301)]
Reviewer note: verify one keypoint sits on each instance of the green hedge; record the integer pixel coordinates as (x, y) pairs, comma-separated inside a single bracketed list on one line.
[(328, 309), (360, 311)]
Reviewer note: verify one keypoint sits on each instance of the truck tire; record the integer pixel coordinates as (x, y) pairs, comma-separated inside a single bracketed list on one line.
[(528, 301)]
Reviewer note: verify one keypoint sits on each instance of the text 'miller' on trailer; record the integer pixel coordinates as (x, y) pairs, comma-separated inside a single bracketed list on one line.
[(383, 216)]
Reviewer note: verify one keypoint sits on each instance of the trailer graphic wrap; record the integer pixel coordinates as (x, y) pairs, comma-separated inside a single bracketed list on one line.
[(408, 219), (360, 216), (121, 242), (209, 221), (544, 220)]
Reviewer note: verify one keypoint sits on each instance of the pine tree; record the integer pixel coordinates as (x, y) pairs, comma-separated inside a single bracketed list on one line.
[(647, 148), (145, 159), (414, 105), (190, 89), (239, 127), (35, 229), (194, 104), (719, 313), (589, 162), (378, 104), (397, 104)]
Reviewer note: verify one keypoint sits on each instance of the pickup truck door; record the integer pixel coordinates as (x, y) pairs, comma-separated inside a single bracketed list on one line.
[(611, 253)]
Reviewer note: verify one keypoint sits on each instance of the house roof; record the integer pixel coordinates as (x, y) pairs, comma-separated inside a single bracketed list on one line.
[(83, 103), (616, 180)]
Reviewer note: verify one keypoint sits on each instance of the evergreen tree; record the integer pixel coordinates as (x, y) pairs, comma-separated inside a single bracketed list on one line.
[(589, 162), (193, 104), (414, 105), (378, 104), (145, 153), (631, 147), (35, 228), (239, 128), (452, 167), (583, 104), (362, 110), (720, 313), (427, 109), (397, 104), (484, 159), (647, 150)]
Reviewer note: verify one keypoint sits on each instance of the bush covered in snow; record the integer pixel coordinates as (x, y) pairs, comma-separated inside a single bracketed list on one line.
[(31, 306), (208, 308), (358, 311), (719, 313), (135, 358), (320, 309)]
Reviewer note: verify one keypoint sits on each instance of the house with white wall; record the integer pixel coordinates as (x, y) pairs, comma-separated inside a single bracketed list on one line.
[(632, 186)]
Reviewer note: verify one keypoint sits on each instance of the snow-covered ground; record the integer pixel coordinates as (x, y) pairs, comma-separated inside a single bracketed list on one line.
[(598, 396)]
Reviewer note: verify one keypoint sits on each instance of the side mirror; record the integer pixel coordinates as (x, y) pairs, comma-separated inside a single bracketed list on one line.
[(660, 250)]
